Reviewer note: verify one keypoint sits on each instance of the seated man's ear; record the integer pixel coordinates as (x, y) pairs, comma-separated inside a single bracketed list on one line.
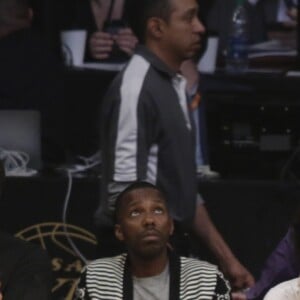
[(119, 233)]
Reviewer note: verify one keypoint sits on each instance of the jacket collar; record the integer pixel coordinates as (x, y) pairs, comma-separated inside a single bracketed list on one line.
[(155, 61)]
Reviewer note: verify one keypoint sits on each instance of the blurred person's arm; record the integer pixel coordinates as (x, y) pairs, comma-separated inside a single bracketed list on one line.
[(236, 273), (204, 228)]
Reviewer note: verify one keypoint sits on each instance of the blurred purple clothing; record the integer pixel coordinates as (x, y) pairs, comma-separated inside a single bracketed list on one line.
[(283, 264)]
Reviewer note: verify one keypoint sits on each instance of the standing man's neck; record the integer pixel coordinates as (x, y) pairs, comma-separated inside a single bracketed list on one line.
[(171, 61), (142, 267)]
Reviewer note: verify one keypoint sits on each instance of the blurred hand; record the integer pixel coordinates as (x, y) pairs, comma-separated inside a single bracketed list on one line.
[(126, 40), (238, 296), (238, 276), (293, 14), (100, 45)]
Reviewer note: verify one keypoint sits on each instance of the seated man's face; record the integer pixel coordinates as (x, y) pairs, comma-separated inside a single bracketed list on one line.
[(144, 223)]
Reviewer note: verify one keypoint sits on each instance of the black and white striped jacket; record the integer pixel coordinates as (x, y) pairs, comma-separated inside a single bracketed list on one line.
[(190, 279)]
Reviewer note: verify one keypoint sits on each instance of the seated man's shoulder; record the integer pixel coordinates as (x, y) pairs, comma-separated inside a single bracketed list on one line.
[(107, 263), (203, 279), (196, 264)]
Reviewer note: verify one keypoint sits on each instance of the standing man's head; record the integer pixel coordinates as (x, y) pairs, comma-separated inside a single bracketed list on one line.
[(14, 15), (170, 28), (143, 222)]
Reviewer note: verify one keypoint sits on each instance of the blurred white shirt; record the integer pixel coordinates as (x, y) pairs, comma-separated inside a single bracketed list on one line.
[(287, 290)]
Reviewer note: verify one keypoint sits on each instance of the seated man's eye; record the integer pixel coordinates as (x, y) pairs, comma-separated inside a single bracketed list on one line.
[(134, 213), (158, 211)]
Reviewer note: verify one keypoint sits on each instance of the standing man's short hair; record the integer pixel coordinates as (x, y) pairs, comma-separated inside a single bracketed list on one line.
[(139, 11)]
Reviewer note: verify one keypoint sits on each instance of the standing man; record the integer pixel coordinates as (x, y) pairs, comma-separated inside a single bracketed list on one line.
[(147, 131), (149, 270)]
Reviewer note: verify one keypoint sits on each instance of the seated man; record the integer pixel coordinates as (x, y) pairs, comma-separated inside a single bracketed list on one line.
[(150, 269)]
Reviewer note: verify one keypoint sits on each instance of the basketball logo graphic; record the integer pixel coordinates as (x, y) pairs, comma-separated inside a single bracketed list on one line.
[(68, 246)]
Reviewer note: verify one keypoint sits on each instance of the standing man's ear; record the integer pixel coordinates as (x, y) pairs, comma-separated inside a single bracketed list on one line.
[(119, 233), (155, 27)]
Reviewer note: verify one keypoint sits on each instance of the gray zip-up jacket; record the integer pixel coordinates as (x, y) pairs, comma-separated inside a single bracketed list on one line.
[(147, 133)]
